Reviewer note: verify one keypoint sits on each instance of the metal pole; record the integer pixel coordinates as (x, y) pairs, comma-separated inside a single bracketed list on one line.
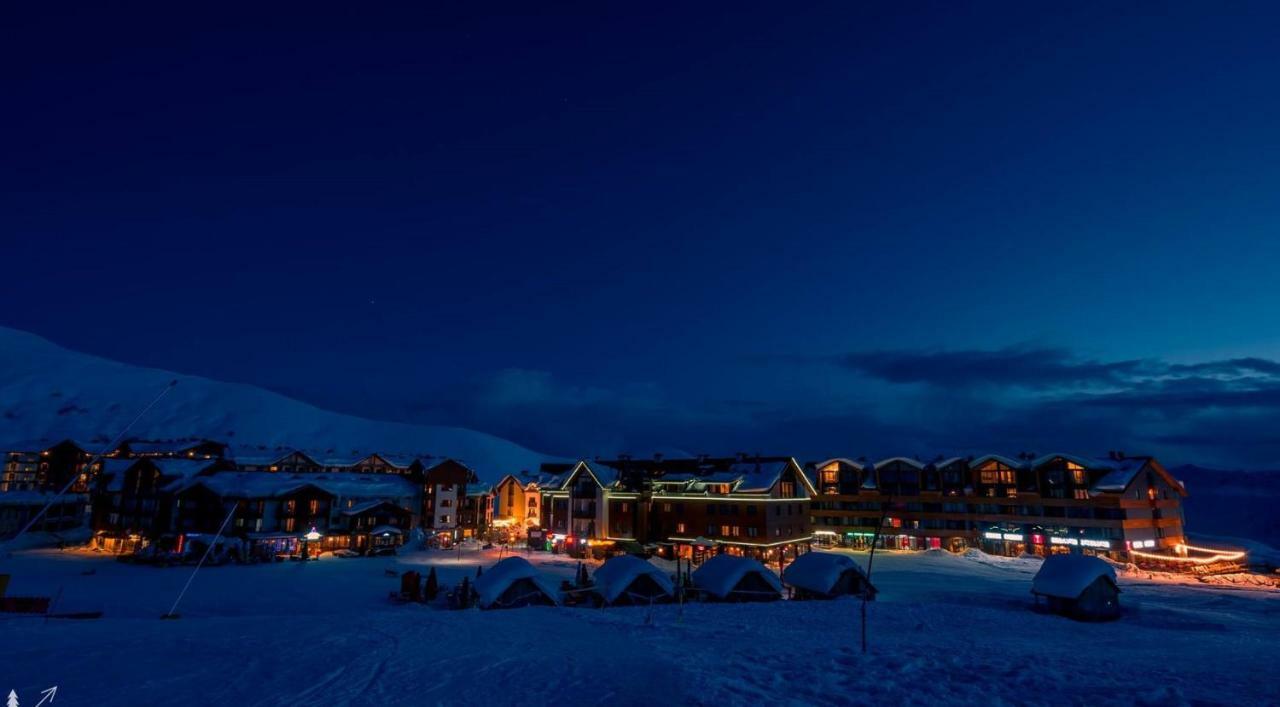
[(875, 540), (207, 550)]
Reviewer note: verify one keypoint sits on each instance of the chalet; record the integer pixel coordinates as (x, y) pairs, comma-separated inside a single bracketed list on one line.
[(476, 516), (444, 490), (18, 508), (1078, 586), (513, 583), (172, 449), (825, 575), (516, 505), (278, 460), (133, 499), (369, 526), (45, 465), (1121, 506), (275, 513), (734, 578)]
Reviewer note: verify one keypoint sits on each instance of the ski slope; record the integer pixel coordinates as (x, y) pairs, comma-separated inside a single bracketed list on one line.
[(50, 393), (945, 630)]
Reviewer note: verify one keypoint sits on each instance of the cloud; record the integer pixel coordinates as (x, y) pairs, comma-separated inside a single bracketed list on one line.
[(1039, 398)]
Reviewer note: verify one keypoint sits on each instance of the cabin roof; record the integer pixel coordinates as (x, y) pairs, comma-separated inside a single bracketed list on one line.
[(720, 574), (617, 573), (1067, 576), (496, 579), (819, 571)]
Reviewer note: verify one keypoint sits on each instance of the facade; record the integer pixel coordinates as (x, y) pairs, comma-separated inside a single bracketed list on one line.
[(17, 508), (172, 449), (1044, 505), (682, 507), (41, 466), (444, 490), (133, 499)]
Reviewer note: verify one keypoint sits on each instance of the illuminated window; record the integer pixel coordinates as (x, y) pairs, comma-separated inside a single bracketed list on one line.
[(724, 530), (679, 527), (829, 477)]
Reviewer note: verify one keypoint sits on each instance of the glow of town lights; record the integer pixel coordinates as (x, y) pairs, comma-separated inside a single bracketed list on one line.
[(1230, 556)]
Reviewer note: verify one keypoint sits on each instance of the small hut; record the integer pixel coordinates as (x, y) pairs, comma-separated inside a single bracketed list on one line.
[(733, 578), (826, 575), (627, 580), (1078, 586), (514, 582)]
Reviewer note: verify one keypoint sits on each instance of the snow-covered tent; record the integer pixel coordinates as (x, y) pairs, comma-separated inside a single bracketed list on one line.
[(732, 578), (514, 582), (627, 579), (1078, 586), (826, 575)]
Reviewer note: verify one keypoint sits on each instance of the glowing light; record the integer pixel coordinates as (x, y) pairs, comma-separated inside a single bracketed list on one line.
[(313, 534)]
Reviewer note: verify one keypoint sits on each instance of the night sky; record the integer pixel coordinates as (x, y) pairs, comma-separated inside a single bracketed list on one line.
[(856, 229)]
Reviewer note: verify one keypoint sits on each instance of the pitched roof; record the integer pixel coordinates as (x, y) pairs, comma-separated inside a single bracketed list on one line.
[(720, 574), (495, 580), (1066, 576), (819, 571), (617, 573)]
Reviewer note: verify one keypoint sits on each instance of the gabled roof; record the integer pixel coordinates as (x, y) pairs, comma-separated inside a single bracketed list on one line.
[(905, 460), (1007, 461), (720, 574), (270, 457), (842, 460), (819, 571), (253, 484), (370, 505), (495, 580), (1086, 462), (1066, 576), (617, 574), (173, 471)]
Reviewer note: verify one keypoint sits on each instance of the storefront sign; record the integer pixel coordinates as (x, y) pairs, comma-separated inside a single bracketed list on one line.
[(1085, 542), (1063, 541)]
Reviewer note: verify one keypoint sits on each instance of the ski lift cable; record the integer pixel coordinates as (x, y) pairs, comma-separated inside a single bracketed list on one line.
[(96, 458), (208, 549)]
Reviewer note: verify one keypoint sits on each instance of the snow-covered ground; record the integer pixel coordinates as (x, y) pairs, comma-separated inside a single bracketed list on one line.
[(946, 629)]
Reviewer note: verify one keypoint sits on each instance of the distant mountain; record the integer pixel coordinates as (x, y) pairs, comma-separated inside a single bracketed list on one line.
[(48, 392), (1239, 504)]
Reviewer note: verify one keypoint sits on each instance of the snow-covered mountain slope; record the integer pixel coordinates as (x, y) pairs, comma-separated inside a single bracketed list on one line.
[(48, 392)]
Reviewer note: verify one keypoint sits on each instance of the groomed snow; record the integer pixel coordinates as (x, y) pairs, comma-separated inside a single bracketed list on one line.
[(944, 629)]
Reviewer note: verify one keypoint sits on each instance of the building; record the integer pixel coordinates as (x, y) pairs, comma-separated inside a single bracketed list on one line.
[(444, 490), (277, 460), (172, 449), (756, 506), (17, 508), (1044, 505), (517, 504), (133, 499), (48, 466)]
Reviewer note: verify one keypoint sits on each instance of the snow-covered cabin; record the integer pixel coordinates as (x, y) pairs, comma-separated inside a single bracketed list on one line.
[(514, 582), (734, 578), (826, 575), (627, 579), (1078, 586)]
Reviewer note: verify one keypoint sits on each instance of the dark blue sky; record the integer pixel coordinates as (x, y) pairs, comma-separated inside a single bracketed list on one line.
[(853, 228)]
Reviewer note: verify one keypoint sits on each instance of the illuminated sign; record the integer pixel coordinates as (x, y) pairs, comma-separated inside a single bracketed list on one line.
[(1013, 536), (1003, 536), (1085, 542), (1063, 541), (991, 536)]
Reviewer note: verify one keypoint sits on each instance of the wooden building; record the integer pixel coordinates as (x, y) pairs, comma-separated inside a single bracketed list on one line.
[(1043, 505), (133, 499), (45, 465), (444, 492), (1077, 586), (172, 449)]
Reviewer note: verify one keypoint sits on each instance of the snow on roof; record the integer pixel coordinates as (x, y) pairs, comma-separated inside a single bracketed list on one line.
[(905, 460), (941, 463), (1066, 576), (759, 477), (362, 507), (175, 471), (38, 498), (1086, 462), (146, 446), (722, 573), (819, 571), (843, 460), (617, 573), (253, 484), (495, 580), (1007, 461), (1119, 478), (386, 530)]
